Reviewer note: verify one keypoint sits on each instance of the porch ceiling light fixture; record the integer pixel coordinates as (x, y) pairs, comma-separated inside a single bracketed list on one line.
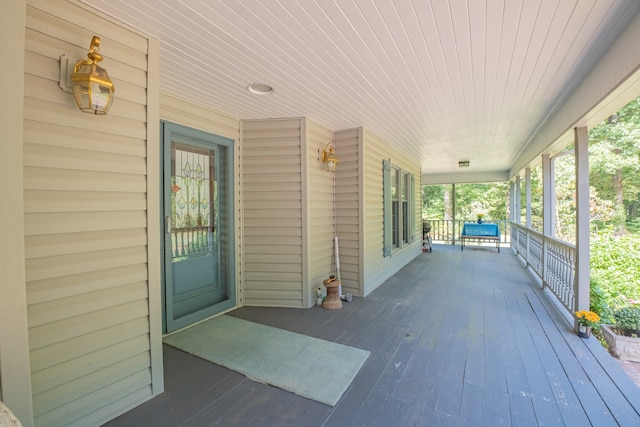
[(463, 164), (92, 88), (260, 89), (328, 157)]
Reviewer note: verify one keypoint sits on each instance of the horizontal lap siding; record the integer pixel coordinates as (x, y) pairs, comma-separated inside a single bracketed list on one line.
[(272, 212), (321, 210), (348, 209), (378, 268), (85, 224)]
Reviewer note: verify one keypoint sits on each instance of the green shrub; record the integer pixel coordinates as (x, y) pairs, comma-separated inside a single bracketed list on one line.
[(599, 302), (615, 269), (633, 226), (628, 317)]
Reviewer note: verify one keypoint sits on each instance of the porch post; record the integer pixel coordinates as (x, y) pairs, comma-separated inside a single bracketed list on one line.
[(581, 286), (453, 214), (518, 205), (512, 197), (548, 198), (548, 210), (527, 185)]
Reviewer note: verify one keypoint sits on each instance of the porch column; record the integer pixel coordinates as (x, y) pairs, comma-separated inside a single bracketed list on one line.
[(512, 236), (15, 373), (518, 205), (548, 198), (453, 214), (548, 209), (527, 185), (512, 200), (581, 284)]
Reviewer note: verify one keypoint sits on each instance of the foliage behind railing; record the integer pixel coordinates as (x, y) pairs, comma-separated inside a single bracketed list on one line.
[(448, 231), (552, 260)]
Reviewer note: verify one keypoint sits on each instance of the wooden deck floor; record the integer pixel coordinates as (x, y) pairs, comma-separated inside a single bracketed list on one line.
[(456, 339)]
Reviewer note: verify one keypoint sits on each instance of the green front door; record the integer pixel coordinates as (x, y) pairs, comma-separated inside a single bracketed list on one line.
[(199, 279)]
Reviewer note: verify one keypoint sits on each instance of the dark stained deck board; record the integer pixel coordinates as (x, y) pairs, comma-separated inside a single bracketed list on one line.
[(522, 411), (561, 390), (595, 409), (603, 404), (533, 354), (456, 338)]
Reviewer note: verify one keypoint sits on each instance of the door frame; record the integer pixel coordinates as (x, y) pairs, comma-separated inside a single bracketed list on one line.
[(167, 129)]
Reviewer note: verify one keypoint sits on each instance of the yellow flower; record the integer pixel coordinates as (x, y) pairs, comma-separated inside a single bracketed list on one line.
[(587, 318)]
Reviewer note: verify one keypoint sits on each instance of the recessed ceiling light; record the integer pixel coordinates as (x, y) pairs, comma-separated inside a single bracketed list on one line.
[(259, 89), (463, 164)]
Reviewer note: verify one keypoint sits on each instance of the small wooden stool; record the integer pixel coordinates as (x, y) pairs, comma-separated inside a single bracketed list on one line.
[(333, 301)]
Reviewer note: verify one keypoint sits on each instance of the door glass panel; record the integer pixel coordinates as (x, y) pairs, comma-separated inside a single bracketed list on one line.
[(193, 218), (194, 240)]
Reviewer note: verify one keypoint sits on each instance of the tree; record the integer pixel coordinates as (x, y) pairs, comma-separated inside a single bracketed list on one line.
[(614, 156), (432, 201), (471, 199), (601, 210)]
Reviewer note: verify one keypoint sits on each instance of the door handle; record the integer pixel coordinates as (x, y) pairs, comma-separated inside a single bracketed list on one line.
[(167, 223)]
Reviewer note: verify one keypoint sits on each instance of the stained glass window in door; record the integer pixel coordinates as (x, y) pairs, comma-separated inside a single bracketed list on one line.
[(193, 196)]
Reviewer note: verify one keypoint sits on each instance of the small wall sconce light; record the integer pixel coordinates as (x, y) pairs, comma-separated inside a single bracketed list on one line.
[(463, 164), (92, 88), (328, 157)]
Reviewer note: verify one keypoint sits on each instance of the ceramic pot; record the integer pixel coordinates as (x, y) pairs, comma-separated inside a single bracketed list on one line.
[(584, 331)]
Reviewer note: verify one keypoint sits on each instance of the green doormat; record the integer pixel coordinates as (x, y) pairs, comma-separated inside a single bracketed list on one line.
[(309, 367)]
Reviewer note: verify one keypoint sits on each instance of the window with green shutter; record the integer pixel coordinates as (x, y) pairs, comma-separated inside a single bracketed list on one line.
[(398, 206)]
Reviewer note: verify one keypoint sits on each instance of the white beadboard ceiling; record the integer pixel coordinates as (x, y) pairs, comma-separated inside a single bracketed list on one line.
[(442, 80)]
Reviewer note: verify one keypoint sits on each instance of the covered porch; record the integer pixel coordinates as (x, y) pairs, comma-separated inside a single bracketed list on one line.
[(456, 338)]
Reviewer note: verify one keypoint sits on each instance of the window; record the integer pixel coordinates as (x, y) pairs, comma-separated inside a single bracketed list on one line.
[(395, 208), (406, 184), (398, 207)]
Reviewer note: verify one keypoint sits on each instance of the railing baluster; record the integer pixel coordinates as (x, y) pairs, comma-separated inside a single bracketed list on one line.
[(190, 241), (552, 260), (174, 244)]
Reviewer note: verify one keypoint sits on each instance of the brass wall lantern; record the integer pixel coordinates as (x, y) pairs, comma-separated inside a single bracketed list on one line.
[(328, 157), (92, 88)]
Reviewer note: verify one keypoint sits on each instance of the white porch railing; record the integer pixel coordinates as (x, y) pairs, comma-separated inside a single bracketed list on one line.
[(551, 260)]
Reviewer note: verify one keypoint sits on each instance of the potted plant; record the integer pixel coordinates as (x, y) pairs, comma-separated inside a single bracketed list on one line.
[(587, 320), (623, 336)]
